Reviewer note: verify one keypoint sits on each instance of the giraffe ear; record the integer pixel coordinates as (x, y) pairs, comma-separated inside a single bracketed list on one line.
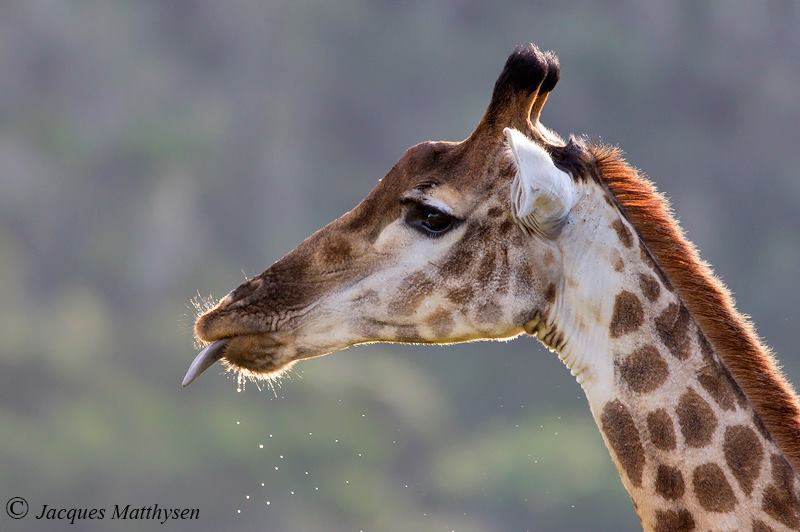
[(542, 196)]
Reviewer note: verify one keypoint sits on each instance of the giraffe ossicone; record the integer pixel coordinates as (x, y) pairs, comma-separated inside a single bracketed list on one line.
[(514, 230)]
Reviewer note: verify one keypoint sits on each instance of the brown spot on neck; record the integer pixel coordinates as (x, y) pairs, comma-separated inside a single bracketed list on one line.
[(743, 454), (714, 381), (662, 432), (623, 232), (696, 419), (650, 287), (644, 370), (669, 482), (672, 326), (712, 489), (623, 437), (761, 526), (780, 500), (674, 521), (627, 315), (708, 301)]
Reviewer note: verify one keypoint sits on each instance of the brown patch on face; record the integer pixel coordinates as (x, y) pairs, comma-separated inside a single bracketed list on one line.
[(761, 526), (714, 382), (461, 295), (489, 312), (460, 258), (441, 322), (413, 290), (550, 293), (407, 333), (780, 500), (627, 315), (623, 232), (456, 264), (335, 249), (494, 212), (672, 326), (674, 521), (644, 370), (712, 489), (743, 454), (619, 264), (369, 329), (623, 437), (650, 287), (368, 297), (669, 482), (662, 432), (696, 419), (487, 266)]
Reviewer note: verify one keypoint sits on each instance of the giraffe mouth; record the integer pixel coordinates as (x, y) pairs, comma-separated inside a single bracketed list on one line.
[(256, 356)]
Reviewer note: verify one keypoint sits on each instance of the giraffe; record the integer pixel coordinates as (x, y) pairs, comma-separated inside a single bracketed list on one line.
[(515, 231)]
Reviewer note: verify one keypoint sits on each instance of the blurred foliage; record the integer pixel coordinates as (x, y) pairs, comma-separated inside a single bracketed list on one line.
[(151, 151)]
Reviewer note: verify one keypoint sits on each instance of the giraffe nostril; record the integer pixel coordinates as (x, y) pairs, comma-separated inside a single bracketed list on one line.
[(241, 292)]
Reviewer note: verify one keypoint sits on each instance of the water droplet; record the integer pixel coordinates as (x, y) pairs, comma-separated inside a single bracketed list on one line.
[(316, 488), (238, 511), (260, 445), (291, 493), (262, 484), (306, 472), (270, 435), (247, 497), (336, 441), (238, 422), (276, 468), (347, 482), (363, 415), (281, 456), (359, 454), (268, 503)]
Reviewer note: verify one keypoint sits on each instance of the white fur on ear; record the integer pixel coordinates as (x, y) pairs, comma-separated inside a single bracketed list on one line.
[(541, 194)]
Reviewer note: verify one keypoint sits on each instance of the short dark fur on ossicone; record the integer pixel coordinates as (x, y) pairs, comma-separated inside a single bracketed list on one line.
[(529, 74)]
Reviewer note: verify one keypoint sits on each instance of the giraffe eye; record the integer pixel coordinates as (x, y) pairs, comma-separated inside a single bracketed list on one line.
[(428, 220)]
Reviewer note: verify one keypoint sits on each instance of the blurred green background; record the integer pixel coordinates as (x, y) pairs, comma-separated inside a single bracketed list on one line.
[(151, 151)]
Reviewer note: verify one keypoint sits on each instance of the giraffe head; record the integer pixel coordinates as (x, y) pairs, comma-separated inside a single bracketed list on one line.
[(456, 243)]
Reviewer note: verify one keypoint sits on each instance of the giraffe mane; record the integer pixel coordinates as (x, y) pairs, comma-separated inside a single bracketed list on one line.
[(706, 297)]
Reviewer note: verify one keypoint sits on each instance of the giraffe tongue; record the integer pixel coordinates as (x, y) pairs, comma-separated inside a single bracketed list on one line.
[(204, 360)]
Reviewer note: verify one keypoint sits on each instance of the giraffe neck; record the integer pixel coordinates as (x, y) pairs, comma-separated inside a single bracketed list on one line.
[(689, 447)]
